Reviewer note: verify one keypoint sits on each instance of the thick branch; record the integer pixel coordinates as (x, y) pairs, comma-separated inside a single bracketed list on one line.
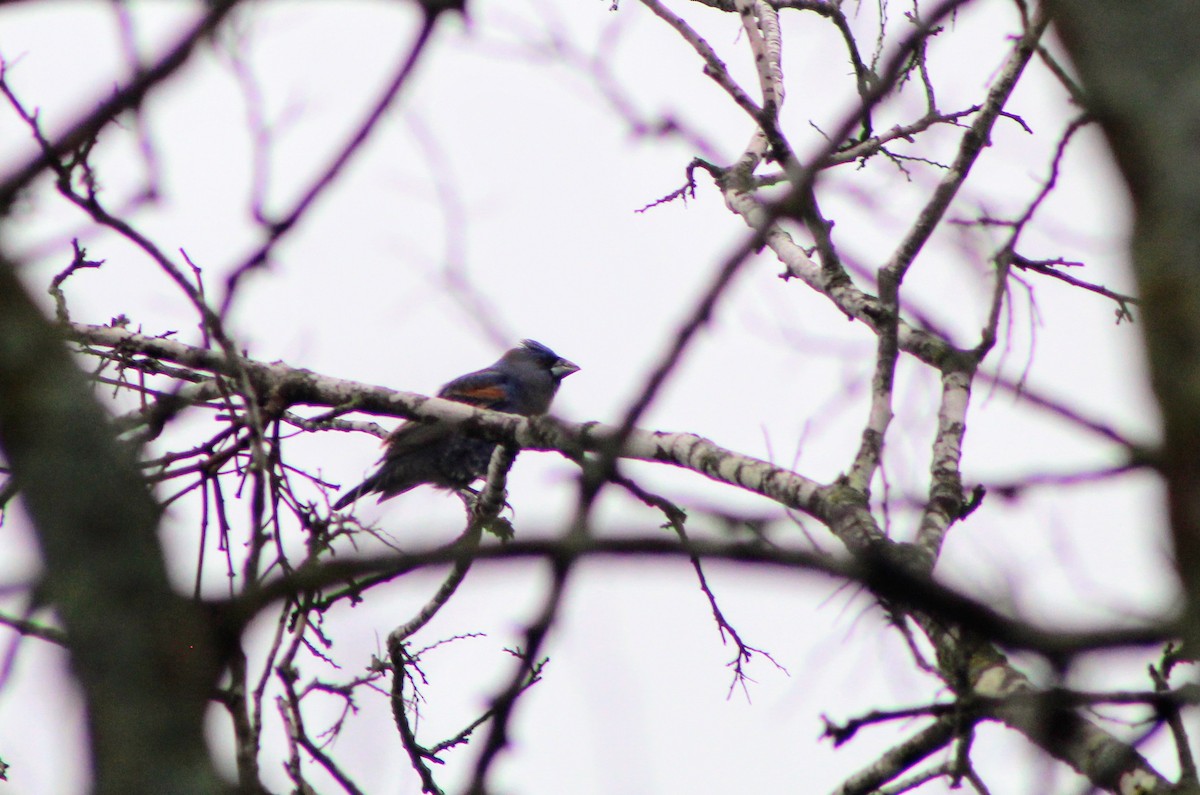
[(142, 654), (1145, 100), (283, 386)]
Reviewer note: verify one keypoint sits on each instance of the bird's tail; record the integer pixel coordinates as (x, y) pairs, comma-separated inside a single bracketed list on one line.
[(368, 486)]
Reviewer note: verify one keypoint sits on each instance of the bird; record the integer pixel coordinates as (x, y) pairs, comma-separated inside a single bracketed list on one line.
[(522, 381)]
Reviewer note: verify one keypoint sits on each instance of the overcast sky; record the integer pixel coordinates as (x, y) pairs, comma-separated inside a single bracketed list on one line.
[(507, 164)]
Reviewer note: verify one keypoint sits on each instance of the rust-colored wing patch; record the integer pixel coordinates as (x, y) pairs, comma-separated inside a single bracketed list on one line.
[(483, 395)]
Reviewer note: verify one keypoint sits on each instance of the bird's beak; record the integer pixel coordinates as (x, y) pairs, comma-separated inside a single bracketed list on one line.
[(563, 368)]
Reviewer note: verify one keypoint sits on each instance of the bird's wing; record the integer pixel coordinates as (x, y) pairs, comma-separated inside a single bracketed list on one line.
[(487, 389), (484, 388), (409, 436)]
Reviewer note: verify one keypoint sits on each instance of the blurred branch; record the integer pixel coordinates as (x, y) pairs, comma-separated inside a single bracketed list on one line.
[(899, 758), (277, 228), (1144, 100), (129, 96), (35, 630), (881, 574), (145, 658)]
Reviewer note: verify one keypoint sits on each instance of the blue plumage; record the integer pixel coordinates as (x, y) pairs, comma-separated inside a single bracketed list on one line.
[(523, 381)]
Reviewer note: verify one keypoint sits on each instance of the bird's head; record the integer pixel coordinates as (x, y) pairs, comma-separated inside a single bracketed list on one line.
[(557, 366)]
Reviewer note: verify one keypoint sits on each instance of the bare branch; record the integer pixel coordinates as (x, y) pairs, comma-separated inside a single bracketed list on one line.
[(281, 226)]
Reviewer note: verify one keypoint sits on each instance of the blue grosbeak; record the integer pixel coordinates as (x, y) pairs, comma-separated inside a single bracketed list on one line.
[(523, 382)]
